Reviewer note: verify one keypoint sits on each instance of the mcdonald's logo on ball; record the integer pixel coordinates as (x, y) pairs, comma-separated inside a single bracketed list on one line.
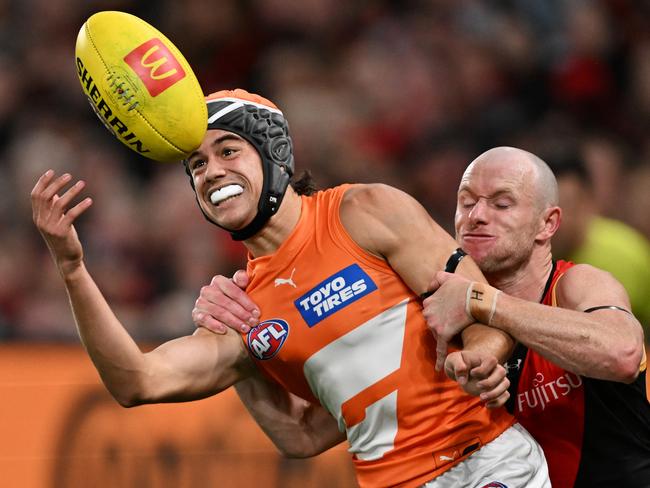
[(140, 86), (155, 66)]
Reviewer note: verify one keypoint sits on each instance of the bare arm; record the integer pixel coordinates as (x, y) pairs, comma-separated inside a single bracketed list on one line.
[(605, 344), (297, 427), (394, 226), (183, 369), (389, 224)]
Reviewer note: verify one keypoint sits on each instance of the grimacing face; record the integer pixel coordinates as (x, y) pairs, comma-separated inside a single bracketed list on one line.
[(227, 163), (496, 217)]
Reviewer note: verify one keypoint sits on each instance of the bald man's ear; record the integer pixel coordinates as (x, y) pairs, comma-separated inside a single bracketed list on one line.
[(551, 218)]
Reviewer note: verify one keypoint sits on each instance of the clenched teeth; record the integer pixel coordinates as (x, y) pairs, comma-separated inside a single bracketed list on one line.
[(224, 193)]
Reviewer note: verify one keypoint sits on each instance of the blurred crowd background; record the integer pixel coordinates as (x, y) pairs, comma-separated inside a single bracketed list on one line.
[(405, 93)]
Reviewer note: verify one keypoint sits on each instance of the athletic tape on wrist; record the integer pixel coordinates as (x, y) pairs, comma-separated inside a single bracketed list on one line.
[(481, 302)]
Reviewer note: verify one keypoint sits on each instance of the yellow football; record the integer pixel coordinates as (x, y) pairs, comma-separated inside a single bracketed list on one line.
[(140, 86)]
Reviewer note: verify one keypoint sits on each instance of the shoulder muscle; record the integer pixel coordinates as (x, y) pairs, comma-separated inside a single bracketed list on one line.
[(393, 225), (584, 286)]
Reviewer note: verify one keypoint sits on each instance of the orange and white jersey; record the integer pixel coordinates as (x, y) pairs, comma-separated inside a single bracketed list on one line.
[(340, 327)]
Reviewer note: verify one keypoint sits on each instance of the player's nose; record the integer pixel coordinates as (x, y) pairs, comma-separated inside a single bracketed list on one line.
[(479, 213), (214, 168)]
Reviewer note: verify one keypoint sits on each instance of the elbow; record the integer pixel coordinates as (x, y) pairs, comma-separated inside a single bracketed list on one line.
[(290, 452), (128, 399), (129, 402), (299, 450), (629, 373), (131, 394), (126, 403), (627, 364)]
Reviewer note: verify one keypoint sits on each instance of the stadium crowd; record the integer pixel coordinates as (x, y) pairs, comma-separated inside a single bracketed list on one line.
[(405, 93)]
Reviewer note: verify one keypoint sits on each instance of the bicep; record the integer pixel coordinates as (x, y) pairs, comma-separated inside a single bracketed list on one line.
[(394, 226), (196, 366)]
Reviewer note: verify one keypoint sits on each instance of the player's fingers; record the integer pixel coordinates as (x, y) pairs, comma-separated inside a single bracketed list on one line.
[(482, 367), (498, 402), (495, 385), (224, 310), (471, 366), (72, 214), (497, 374), (42, 182), (240, 278), (55, 186), (202, 319), (496, 397), (434, 285), (37, 192), (441, 352), (495, 392), (231, 290), (456, 368), (233, 306), (442, 276), (472, 359), (64, 200)]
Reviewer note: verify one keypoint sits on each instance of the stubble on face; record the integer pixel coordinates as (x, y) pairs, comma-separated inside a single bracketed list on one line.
[(510, 253), (515, 231)]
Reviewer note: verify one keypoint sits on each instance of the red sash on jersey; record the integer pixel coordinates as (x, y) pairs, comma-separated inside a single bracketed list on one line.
[(550, 404)]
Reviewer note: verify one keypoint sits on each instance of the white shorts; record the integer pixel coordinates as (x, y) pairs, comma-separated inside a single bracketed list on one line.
[(512, 460)]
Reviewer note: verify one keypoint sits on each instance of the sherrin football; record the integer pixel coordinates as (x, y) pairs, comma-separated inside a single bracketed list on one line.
[(140, 86)]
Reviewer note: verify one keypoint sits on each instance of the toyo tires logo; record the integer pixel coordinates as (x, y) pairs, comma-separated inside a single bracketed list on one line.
[(334, 294)]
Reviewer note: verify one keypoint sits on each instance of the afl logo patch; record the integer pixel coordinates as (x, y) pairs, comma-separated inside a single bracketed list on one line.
[(495, 484), (267, 338)]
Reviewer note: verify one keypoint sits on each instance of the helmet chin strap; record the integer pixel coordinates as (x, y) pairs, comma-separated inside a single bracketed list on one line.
[(241, 235), (251, 229), (267, 206), (273, 190)]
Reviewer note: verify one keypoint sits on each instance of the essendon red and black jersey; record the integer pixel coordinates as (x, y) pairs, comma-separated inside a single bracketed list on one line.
[(594, 433)]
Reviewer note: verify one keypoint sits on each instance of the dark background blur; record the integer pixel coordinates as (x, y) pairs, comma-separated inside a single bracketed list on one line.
[(405, 93)]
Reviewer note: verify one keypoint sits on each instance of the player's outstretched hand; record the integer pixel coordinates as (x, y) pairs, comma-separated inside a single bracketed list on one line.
[(54, 216), (445, 311), (224, 303), (479, 374)]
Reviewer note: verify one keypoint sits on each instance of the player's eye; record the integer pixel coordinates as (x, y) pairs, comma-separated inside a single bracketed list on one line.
[(467, 203), (195, 164), (228, 152)]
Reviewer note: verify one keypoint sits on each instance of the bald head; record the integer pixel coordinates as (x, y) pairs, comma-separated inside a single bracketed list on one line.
[(523, 166), (506, 212)]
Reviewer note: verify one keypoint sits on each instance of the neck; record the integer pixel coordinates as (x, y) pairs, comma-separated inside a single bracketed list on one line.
[(529, 279), (278, 228)]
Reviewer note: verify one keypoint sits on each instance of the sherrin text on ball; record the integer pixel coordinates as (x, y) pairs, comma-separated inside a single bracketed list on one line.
[(140, 86)]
